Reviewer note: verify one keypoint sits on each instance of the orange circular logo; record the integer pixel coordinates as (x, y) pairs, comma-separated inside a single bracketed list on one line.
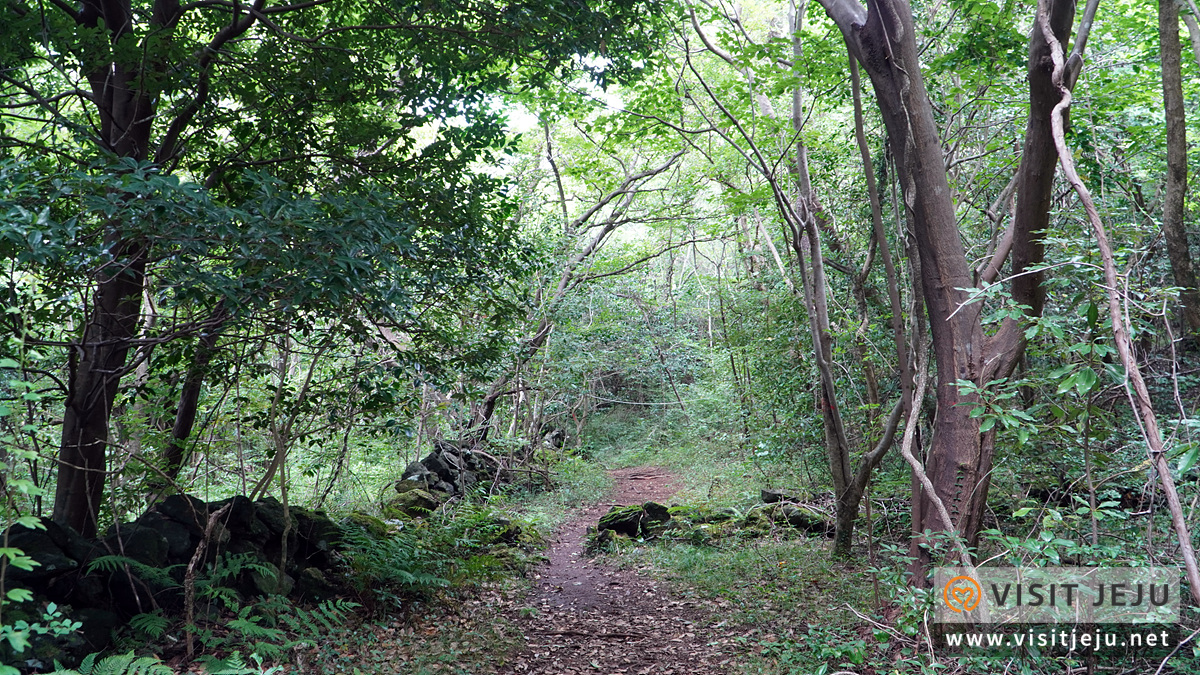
[(962, 594)]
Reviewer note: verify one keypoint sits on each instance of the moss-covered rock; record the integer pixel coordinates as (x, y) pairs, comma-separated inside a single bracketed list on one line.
[(805, 518), (758, 519), (645, 520), (372, 525), (267, 579), (772, 496), (516, 533), (762, 518), (624, 520), (411, 504), (606, 541), (704, 514)]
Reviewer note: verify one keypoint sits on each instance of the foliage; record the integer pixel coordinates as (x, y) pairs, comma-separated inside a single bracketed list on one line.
[(339, 202), (20, 633), (118, 664), (423, 557)]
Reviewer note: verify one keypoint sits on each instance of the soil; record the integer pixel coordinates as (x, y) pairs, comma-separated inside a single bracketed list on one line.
[(586, 616)]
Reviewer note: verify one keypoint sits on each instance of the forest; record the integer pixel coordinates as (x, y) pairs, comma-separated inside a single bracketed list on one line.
[(596, 336)]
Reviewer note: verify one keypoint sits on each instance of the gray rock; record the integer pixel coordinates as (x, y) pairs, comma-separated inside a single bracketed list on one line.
[(417, 472), (770, 496), (273, 582), (805, 518), (646, 520), (318, 536), (38, 544), (317, 529), (411, 504), (98, 626), (186, 510), (143, 544), (312, 584), (180, 544), (239, 519), (406, 484), (86, 590), (270, 512), (130, 593), (438, 464)]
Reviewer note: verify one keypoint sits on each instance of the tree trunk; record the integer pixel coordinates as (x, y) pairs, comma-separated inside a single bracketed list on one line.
[(959, 456), (189, 397), (1035, 177), (97, 362), (96, 366), (1175, 188)]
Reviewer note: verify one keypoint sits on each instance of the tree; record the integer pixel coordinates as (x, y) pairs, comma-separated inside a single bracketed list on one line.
[(619, 204), (1175, 189), (882, 38), (326, 96), (805, 218)]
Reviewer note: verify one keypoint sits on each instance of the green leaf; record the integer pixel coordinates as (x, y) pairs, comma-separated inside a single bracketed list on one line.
[(18, 640), (1067, 384), (1021, 513), (31, 522), (1085, 380), (17, 558), (1189, 458), (987, 425), (9, 363)]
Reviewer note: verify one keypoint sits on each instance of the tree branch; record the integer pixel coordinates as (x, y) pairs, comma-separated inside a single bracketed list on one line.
[(1135, 385), (204, 60)]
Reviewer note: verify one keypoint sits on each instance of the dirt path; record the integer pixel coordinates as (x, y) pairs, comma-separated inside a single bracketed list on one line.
[(587, 617)]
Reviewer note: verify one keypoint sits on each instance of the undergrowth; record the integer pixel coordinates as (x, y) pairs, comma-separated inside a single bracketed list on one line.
[(576, 481)]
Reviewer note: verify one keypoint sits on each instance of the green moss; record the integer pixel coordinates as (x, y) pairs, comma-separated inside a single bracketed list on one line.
[(372, 525), (411, 504)]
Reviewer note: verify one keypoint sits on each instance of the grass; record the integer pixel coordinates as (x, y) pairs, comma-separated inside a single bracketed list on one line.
[(716, 465), (762, 581), (788, 588), (577, 482), (807, 613)]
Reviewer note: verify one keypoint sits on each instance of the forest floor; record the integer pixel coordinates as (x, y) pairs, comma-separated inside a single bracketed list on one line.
[(586, 616)]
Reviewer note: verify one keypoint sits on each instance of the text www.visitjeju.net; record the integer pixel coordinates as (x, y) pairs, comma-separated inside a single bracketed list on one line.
[(1071, 640)]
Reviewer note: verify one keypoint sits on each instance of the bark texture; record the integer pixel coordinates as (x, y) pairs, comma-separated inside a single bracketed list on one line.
[(959, 457), (98, 359), (1175, 186), (1035, 177)]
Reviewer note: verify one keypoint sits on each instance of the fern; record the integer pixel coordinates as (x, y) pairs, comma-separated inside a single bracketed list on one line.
[(248, 627), (312, 624), (157, 576), (269, 651), (150, 625), (213, 585), (224, 594), (229, 565), (119, 664), (230, 665), (234, 665), (400, 561)]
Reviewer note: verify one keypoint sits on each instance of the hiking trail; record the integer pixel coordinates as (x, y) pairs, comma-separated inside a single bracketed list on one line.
[(585, 616)]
